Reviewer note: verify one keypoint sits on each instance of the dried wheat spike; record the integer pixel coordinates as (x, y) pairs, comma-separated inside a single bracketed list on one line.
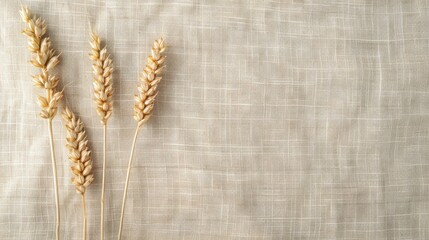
[(45, 58), (147, 88), (102, 69), (79, 153)]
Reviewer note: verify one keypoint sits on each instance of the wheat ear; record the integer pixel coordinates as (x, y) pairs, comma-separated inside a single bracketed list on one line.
[(80, 157), (147, 90), (44, 58), (103, 91)]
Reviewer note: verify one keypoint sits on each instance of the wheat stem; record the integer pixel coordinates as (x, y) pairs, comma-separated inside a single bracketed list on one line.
[(103, 92), (147, 90), (83, 216), (80, 156), (54, 171), (126, 182), (45, 59), (102, 185)]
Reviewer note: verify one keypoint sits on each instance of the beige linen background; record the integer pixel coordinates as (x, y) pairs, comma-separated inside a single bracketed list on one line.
[(275, 120)]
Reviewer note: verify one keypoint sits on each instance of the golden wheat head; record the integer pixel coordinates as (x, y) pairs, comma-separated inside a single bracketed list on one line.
[(78, 152), (45, 58), (147, 88), (102, 68)]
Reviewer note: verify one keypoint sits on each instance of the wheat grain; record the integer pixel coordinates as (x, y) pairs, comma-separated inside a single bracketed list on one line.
[(45, 58), (147, 90), (103, 92), (102, 69), (80, 156)]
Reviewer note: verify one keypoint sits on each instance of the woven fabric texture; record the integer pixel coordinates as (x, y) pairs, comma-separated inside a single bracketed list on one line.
[(297, 119)]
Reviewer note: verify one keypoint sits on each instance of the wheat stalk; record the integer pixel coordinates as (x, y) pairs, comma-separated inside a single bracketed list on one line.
[(80, 156), (103, 91), (147, 90), (44, 58)]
